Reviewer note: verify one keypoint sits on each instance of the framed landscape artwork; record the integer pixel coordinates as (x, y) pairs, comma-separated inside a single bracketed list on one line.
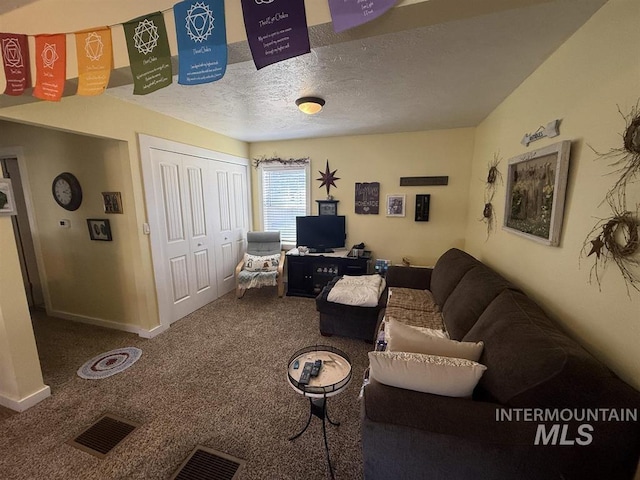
[(536, 186)]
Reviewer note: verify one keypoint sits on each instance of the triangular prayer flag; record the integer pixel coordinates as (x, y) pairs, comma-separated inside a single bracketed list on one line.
[(202, 41), (51, 66), (276, 30), (347, 14), (149, 53), (94, 60), (15, 58)]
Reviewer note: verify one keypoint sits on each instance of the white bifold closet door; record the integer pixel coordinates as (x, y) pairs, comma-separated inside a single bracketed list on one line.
[(201, 214)]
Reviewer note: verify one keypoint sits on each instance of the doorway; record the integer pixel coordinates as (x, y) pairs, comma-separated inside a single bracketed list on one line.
[(9, 167)]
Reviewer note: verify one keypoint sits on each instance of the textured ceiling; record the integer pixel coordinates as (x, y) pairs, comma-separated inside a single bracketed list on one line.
[(441, 76), (448, 68)]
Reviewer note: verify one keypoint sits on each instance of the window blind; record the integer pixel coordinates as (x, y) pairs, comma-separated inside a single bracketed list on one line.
[(284, 197)]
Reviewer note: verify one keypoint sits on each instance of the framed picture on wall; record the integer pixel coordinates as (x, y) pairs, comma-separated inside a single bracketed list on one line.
[(327, 207), (99, 229), (112, 202), (7, 201), (422, 207), (536, 186), (396, 205)]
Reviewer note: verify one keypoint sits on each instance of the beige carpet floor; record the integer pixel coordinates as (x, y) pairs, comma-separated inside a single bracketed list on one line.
[(216, 378)]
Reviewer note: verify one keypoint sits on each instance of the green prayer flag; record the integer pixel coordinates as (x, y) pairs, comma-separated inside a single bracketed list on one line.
[(149, 53)]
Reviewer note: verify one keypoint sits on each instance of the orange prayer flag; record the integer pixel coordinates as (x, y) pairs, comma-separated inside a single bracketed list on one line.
[(94, 60), (51, 66)]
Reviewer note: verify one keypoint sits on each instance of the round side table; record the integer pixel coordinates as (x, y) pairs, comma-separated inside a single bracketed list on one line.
[(333, 378)]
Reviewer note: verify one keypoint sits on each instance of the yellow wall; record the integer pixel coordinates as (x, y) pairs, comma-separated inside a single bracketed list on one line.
[(83, 277), (384, 159), (117, 167), (20, 375), (582, 83)]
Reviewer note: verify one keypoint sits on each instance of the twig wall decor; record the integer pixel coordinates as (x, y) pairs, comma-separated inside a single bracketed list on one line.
[(617, 235), (494, 177), (283, 161)]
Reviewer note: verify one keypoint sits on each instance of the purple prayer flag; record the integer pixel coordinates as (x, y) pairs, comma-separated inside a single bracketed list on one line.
[(276, 30), (347, 14)]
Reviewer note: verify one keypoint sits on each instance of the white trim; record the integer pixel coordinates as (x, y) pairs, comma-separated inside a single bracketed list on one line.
[(124, 327), (18, 153), (26, 402)]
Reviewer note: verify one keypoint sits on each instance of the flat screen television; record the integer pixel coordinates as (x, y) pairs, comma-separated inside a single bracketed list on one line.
[(321, 233)]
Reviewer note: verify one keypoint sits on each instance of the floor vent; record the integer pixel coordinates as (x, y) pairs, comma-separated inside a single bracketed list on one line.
[(207, 464), (101, 437)]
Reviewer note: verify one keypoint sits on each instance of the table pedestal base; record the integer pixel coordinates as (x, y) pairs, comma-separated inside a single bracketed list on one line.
[(318, 407)]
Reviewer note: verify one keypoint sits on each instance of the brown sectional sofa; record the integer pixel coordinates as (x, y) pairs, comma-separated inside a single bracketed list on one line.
[(532, 368)]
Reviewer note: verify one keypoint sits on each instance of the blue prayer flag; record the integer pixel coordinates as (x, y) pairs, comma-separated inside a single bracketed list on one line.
[(202, 41)]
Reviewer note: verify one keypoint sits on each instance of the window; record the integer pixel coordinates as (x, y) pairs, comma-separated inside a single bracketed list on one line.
[(285, 195)]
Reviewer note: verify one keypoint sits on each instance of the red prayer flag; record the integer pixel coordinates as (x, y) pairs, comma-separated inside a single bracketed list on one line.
[(15, 58)]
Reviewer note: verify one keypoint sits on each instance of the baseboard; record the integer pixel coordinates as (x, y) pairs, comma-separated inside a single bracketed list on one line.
[(27, 402), (99, 322), (154, 332)]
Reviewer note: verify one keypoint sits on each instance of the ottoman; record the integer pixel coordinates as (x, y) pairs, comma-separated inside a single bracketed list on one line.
[(348, 320)]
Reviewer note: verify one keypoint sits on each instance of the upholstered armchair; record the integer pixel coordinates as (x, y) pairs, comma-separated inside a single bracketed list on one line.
[(263, 263)]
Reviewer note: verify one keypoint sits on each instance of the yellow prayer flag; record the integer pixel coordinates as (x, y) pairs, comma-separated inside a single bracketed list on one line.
[(95, 59)]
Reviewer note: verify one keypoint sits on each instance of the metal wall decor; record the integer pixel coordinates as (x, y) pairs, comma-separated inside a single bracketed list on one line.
[(328, 179), (551, 130)]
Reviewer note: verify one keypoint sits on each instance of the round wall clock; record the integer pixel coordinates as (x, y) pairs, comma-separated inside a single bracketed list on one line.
[(67, 191)]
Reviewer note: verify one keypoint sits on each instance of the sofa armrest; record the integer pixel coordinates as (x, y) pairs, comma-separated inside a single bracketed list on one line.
[(409, 277), (463, 418)]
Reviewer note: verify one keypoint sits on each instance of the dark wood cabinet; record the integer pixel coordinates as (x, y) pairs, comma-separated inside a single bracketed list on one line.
[(308, 274)]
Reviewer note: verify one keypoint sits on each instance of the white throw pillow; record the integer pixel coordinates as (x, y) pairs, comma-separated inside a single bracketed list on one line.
[(451, 377), (256, 263), (404, 338)]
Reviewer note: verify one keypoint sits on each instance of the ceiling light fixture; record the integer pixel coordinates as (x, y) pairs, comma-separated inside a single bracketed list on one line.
[(310, 105)]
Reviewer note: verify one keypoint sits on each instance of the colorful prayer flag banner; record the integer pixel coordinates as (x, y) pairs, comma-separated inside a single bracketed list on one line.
[(15, 58), (94, 53), (202, 41), (51, 66), (347, 14), (149, 53), (276, 30)]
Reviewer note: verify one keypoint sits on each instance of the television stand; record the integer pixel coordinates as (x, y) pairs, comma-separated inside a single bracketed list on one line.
[(308, 274), (321, 250)]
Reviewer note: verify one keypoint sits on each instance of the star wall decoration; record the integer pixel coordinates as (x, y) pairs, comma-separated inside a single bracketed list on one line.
[(327, 178)]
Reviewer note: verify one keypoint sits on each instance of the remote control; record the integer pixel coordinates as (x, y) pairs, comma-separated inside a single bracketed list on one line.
[(305, 376), (316, 368)]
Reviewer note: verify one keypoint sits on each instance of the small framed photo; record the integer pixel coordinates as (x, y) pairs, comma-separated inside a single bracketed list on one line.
[(327, 207), (396, 205), (7, 201), (99, 229), (112, 202)]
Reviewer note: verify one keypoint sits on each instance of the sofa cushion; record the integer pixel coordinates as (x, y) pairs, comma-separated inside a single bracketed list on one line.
[(451, 377), (530, 361), (448, 271), (475, 291), (404, 338)]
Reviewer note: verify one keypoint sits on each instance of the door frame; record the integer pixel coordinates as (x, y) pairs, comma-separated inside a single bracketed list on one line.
[(17, 152), (147, 143)]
